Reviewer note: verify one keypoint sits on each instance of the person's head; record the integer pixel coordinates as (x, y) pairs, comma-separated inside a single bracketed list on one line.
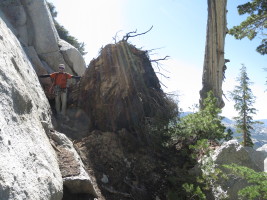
[(61, 67)]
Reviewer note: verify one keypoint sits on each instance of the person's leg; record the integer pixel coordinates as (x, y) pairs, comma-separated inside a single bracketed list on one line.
[(57, 99), (64, 102)]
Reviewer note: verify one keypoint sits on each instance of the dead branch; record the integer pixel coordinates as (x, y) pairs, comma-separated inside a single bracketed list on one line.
[(128, 35), (156, 60), (158, 64), (225, 97), (162, 75), (163, 84), (116, 36), (111, 190), (150, 50)]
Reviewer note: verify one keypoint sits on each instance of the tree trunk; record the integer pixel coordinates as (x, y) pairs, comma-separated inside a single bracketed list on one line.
[(214, 62)]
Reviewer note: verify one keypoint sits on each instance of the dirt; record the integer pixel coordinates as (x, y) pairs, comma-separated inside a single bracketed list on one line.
[(133, 170)]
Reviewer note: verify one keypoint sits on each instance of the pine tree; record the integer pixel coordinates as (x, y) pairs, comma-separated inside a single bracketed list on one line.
[(244, 100), (254, 25), (204, 124), (229, 134)]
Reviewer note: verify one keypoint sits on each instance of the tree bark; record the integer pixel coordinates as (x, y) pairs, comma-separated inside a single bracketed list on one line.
[(214, 62)]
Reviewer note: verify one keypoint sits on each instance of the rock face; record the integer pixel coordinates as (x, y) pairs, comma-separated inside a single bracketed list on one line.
[(264, 149), (232, 152), (214, 62), (28, 163), (33, 25), (29, 168), (121, 90), (72, 57), (75, 178)]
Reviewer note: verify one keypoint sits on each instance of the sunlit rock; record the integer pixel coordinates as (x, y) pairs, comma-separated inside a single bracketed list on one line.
[(75, 177), (232, 152), (28, 163)]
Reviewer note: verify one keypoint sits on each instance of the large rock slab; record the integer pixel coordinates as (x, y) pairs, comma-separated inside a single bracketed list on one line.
[(264, 149), (73, 57), (75, 177), (37, 63), (33, 25), (47, 42), (232, 152), (40, 68), (28, 163), (45, 36), (18, 18)]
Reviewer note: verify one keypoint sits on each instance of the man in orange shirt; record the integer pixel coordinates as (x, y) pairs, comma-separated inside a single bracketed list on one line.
[(60, 86)]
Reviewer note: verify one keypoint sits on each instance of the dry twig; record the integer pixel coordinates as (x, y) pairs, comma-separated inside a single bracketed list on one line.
[(111, 190), (128, 35), (116, 36), (156, 60)]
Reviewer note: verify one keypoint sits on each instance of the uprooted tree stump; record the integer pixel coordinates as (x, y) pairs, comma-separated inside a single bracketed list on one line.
[(125, 107), (121, 90)]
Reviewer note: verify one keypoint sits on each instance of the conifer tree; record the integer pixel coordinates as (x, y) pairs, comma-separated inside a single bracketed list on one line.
[(254, 25), (244, 100), (204, 124)]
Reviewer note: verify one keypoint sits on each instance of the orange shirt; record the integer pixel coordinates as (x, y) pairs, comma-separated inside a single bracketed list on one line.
[(61, 78)]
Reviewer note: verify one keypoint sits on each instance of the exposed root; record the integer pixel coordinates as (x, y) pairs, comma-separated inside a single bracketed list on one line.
[(111, 190)]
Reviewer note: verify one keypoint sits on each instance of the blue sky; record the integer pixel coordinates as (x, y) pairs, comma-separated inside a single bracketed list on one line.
[(179, 31)]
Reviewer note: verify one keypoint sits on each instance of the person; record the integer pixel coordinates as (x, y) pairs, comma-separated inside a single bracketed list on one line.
[(60, 86)]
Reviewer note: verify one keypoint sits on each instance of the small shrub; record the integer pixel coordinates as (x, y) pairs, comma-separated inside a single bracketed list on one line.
[(258, 182), (228, 135), (204, 124), (194, 192)]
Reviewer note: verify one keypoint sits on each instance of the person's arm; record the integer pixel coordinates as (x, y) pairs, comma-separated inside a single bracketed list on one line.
[(76, 77), (69, 76), (44, 76)]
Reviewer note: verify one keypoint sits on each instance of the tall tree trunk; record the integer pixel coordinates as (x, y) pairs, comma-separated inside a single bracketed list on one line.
[(214, 62)]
